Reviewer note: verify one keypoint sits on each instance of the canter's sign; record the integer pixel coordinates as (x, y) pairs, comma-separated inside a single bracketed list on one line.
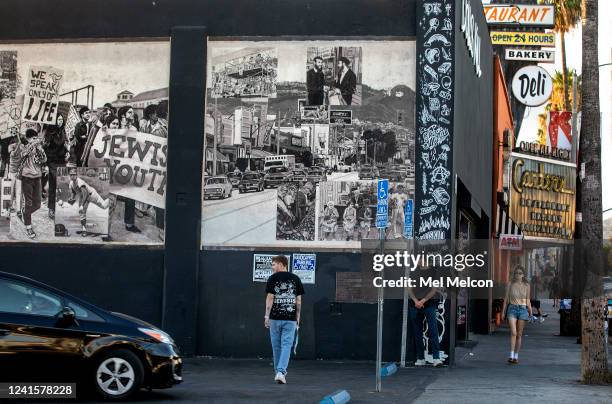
[(522, 38), (542, 56), (137, 163), (520, 15)]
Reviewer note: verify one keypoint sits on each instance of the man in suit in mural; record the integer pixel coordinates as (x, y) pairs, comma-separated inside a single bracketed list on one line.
[(315, 83), (346, 80)]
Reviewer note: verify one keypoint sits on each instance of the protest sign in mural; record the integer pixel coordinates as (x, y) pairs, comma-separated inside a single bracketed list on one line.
[(10, 118), (137, 163), (41, 100)]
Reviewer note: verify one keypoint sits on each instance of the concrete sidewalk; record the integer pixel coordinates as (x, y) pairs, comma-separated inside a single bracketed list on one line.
[(548, 372)]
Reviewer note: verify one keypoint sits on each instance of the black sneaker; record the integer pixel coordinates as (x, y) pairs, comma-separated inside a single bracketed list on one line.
[(30, 232), (132, 228)]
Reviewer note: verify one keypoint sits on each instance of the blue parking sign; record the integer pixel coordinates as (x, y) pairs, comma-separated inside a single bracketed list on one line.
[(382, 217), (408, 211)]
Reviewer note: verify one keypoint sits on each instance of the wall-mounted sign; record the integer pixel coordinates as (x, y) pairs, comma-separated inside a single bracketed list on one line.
[(542, 198), (542, 56), (304, 265), (341, 116), (544, 151), (469, 27), (522, 38), (512, 242), (520, 15), (262, 266), (532, 85)]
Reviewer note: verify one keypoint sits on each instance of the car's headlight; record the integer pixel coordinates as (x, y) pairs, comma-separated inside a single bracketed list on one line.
[(157, 335)]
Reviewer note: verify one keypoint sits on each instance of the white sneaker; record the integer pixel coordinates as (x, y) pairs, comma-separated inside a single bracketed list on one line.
[(280, 378), (437, 362), (420, 362)]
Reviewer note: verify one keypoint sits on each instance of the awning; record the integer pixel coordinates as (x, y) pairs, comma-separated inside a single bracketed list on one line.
[(260, 154), (220, 156)]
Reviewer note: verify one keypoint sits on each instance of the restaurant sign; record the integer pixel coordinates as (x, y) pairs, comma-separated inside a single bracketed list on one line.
[(542, 197), (539, 15)]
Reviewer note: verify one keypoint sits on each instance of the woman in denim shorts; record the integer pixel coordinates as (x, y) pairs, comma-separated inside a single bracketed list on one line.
[(518, 305)]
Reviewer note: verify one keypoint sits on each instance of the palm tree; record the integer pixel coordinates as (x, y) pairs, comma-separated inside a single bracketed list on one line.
[(589, 253), (567, 15), (557, 98)]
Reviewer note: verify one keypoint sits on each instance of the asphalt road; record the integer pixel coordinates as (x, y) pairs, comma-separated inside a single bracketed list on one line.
[(246, 218)]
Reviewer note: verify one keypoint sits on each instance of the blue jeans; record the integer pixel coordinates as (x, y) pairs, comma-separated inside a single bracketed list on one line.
[(416, 317), (282, 333)]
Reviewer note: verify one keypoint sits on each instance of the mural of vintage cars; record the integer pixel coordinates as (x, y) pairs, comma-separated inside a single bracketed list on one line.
[(368, 172), (276, 176), (251, 182), (316, 175), (234, 178), (300, 175), (218, 186)]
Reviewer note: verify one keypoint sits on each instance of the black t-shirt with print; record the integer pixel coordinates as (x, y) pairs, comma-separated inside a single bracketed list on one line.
[(285, 287)]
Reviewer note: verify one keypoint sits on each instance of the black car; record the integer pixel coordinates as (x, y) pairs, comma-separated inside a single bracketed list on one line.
[(251, 182), (49, 335)]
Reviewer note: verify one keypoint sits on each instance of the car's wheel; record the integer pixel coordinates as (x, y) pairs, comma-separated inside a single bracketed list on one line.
[(118, 374)]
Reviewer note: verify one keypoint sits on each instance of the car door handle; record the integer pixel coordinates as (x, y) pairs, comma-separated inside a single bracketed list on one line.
[(4, 332)]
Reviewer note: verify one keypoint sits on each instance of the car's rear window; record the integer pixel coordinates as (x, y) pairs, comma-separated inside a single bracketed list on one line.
[(215, 181), (278, 169)]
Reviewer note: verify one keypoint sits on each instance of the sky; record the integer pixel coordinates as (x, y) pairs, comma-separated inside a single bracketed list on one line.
[(110, 67), (574, 61), (385, 63)]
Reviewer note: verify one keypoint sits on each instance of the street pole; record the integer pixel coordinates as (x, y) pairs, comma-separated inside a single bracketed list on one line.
[(405, 315), (214, 170), (278, 118), (379, 318)]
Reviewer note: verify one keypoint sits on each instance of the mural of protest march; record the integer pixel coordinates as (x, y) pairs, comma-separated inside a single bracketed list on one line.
[(84, 140), (266, 158)]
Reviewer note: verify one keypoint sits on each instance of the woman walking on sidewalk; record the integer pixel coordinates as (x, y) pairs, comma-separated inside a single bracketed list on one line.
[(518, 305)]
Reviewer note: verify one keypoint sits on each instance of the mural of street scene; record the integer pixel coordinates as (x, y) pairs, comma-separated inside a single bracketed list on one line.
[(266, 159), (80, 110)]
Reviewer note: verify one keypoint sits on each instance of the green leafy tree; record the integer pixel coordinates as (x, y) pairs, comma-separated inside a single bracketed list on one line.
[(567, 15)]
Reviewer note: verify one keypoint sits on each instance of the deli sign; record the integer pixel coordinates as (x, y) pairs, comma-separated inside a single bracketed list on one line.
[(532, 85), (520, 15)]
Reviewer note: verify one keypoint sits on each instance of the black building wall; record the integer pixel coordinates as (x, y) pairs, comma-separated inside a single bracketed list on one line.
[(472, 141), (231, 311), (473, 130), (159, 285)]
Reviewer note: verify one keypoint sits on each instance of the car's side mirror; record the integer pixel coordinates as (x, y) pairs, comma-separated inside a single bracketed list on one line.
[(66, 317)]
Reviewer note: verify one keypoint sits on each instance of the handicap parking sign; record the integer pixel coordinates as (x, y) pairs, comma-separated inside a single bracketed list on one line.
[(383, 204)]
